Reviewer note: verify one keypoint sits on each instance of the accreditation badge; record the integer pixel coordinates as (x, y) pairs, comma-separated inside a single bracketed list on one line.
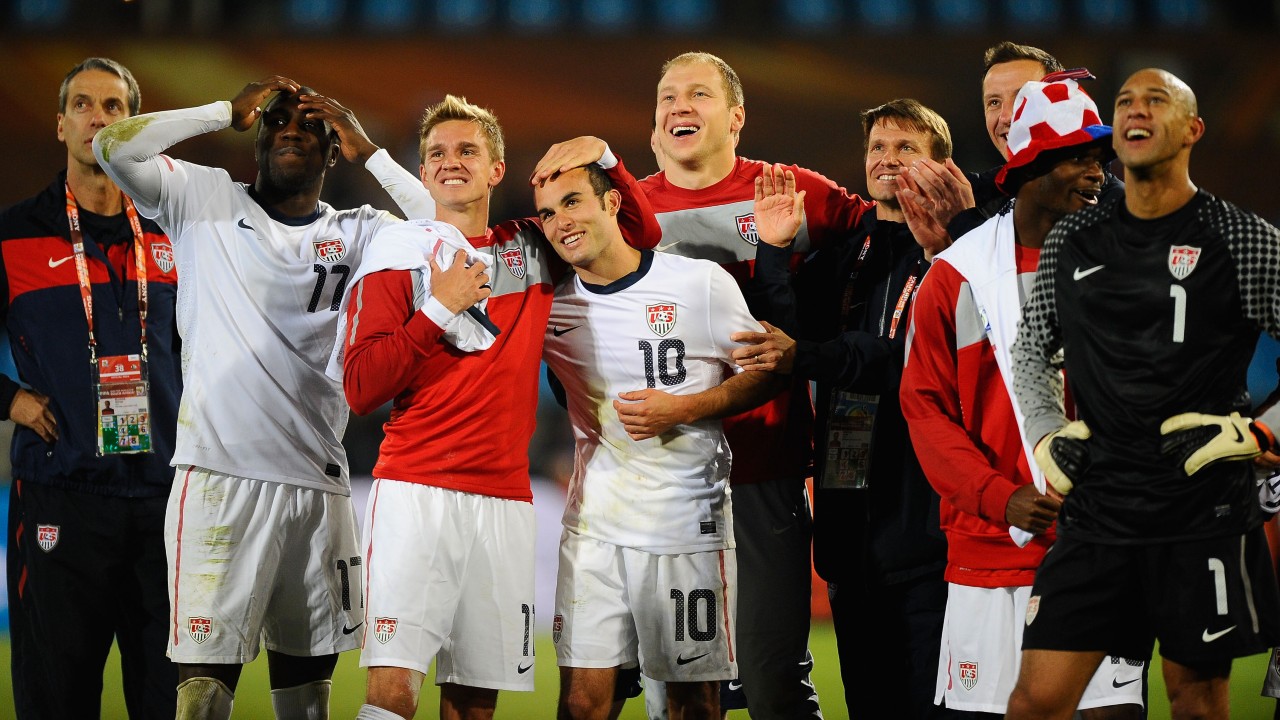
[(851, 420), (124, 411)]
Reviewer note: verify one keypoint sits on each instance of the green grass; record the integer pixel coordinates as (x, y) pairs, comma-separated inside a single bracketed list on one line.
[(253, 700)]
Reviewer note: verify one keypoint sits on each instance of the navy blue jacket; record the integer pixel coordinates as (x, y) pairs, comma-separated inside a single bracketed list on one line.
[(41, 307), (889, 532)]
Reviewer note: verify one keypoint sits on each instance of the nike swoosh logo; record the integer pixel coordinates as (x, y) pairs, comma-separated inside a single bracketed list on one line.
[(1239, 439), (244, 224), (734, 685), (1115, 682), (1210, 637), (685, 661), (55, 263), (524, 668), (1082, 274), (558, 332), (668, 246), (348, 630)]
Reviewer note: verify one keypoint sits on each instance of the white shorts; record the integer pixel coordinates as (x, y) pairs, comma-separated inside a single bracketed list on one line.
[(982, 652), (674, 614), (255, 562), (450, 576)]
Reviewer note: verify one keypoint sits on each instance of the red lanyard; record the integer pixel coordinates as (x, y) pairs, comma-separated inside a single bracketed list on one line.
[(902, 302), (82, 268)]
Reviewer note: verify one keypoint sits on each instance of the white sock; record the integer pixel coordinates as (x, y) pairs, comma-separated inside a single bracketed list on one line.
[(373, 712), (204, 698), (309, 701)]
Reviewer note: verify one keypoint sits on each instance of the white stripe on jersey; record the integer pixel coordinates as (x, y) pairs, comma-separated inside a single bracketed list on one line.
[(668, 329), (257, 310)]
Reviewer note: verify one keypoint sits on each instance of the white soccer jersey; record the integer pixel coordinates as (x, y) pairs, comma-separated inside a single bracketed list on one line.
[(666, 327), (257, 308)]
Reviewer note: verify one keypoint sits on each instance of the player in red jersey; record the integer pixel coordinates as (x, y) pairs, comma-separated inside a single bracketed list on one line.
[(449, 531)]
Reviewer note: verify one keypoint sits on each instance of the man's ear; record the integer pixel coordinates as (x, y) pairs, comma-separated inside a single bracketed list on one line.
[(613, 202), (498, 172)]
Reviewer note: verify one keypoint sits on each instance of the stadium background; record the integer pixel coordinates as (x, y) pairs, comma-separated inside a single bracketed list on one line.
[(554, 69)]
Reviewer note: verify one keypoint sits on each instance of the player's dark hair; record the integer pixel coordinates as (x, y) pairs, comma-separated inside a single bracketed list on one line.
[(1009, 51), (600, 182), (732, 84), (909, 114), (105, 65)]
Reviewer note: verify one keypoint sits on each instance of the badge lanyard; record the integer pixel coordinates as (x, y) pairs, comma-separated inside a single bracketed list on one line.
[(122, 379), (850, 416)]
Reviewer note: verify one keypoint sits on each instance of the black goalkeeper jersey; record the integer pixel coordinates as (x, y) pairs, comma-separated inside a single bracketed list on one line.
[(1155, 318)]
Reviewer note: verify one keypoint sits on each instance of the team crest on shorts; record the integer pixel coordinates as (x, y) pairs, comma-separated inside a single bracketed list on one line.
[(384, 628), (162, 253), (747, 228), (557, 627), (514, 260), (330, 250), (968, 673), (200, 628), (1033, 608), (1182, 260), (47, 536), (661, 318)]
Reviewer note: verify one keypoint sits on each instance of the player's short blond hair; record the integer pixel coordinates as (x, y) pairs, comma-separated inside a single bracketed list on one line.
[(457, 108), (732, 84), (909, 114)]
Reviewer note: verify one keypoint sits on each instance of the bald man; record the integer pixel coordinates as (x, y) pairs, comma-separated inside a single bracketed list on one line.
[(1157, 300)]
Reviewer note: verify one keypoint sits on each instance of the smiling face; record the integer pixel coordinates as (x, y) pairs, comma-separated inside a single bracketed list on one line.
[(1074, 183), (696, 119), (891, 149), (457, 166), (95, 99), (581, 226), (999, 88), (292, 151), (1155, 120)]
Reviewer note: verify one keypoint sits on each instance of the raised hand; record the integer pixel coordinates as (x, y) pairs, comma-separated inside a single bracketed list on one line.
[(567, 155), (779, 209), (355, 144), (246, 107)]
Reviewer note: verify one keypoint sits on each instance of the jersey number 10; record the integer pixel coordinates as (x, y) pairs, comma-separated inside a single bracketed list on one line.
[(670, 372)]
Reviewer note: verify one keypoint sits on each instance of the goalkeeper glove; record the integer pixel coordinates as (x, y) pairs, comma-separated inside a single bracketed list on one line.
[(1063, 455), (1198, 440)]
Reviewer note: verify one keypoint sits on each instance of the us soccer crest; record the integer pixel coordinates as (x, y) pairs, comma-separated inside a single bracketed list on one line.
[(162, 253), (661, 318), (330, 251), (514, 260), (747, 228), (557, 627), (200, 628), (1033, 608), (47, 536), (968, 673), (384, 628), (1182, 260)]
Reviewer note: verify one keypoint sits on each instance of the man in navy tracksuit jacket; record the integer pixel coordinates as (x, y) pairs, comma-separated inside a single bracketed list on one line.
[(86, 556)]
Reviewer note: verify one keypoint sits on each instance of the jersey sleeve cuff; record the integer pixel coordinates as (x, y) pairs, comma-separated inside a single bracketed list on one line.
[(608, 160), (437, 312)]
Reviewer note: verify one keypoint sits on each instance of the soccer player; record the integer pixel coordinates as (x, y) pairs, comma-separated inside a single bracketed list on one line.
[(449, 528), (86, 532), (957, 401), (647, 571), (703, 198), (876, 537), (1158, 302), (260, 527)]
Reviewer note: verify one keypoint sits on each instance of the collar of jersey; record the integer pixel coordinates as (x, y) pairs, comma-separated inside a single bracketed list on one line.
[(285, 219), (626, 281)]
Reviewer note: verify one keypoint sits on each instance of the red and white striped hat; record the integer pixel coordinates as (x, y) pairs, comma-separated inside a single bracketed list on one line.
[(1050, 115)]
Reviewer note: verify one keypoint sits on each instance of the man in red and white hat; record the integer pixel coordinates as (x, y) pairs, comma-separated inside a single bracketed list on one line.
[(958, 401)]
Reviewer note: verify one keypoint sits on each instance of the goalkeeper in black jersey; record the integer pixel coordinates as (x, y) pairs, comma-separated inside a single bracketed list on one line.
[(1156, 302)]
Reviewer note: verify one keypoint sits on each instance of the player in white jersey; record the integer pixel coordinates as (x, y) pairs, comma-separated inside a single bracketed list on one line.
[(647, 569), (260, 530)]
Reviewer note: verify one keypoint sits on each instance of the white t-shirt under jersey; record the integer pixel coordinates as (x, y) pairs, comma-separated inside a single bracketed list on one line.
[(257, 308), (666, 326)]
